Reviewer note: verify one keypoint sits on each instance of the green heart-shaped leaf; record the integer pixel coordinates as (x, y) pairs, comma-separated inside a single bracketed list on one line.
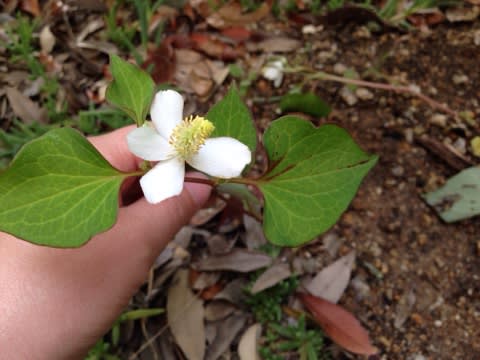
[(59, 191), (131, 89), (232, 118), (315, 172)]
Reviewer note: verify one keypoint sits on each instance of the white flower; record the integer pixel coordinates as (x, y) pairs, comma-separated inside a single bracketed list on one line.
[(273, 71), (172, 141)]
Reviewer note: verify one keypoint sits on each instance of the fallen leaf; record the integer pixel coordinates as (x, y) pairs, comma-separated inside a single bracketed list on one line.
[(185, 314), (162, 62), (218, 244), (31, 6), (275, 45), (462, 14), (459, 198), (254, 236), (234, 292), (404, 308), (231, 14), (47, 40), (248, 345), (24, 108), (226, 333), (218, 309), (271, 277), (238, 260), (237, 33), (214, 47), (330, 283), (475, 144), (339, 325)]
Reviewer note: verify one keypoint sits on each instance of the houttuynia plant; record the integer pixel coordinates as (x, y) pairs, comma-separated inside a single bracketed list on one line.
[(59, 191)]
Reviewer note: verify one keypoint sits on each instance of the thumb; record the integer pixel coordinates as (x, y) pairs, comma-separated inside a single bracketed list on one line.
[(146, 229)]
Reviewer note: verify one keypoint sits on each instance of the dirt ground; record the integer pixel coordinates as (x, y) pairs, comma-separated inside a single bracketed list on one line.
[(425, 301)]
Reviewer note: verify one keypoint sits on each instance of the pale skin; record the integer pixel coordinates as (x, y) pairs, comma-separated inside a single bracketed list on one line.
[(56, 303)]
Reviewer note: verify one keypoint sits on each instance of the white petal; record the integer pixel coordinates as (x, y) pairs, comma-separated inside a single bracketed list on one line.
[(164, 180), (222, 157), (166, 111), (147, 144)]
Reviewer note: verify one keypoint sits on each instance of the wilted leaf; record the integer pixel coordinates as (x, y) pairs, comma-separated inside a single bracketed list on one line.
[(276, 44), (185, 315), (271, 277), (331, 282), (227, 331), (24, 108), (47, 40), (231, 14), (162, 61), (254, 236), (31, 6), (248, 346), (460, 14), (314, 174), (459, 198), (308, 103), (238, 260), (339, 325)]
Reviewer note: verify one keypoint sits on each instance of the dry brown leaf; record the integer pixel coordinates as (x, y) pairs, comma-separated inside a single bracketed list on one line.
[(277, 45), (47, 40), (339, 325), (218, 309), (271, 277), (218, 244), (226, 333), (254, 236), (461, 14), (248, 346), (330, 283), (31, 6), (185, 315), (238, 260), (24, 108), (231, 14), (234, 292)]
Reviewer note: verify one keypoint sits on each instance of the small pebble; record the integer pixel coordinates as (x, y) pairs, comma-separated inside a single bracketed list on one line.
[(439, 120), (460, 79), (348, 96), (398, 171), (461, 145), (476, 37), (364, 94), (437, 323), (339, 68)]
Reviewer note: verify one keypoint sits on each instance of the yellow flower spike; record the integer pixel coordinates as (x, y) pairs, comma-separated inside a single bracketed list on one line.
[(188, 136)]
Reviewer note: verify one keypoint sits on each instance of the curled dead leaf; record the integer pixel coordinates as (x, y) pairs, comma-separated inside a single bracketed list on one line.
[(339, 325), (185, 315), (248, 345), (330, 283), (237, 260)]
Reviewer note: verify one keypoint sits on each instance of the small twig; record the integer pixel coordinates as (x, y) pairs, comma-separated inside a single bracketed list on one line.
[(376, 85)]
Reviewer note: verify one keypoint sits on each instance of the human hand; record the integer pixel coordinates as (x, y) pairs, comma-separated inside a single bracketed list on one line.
[(56, 303)]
